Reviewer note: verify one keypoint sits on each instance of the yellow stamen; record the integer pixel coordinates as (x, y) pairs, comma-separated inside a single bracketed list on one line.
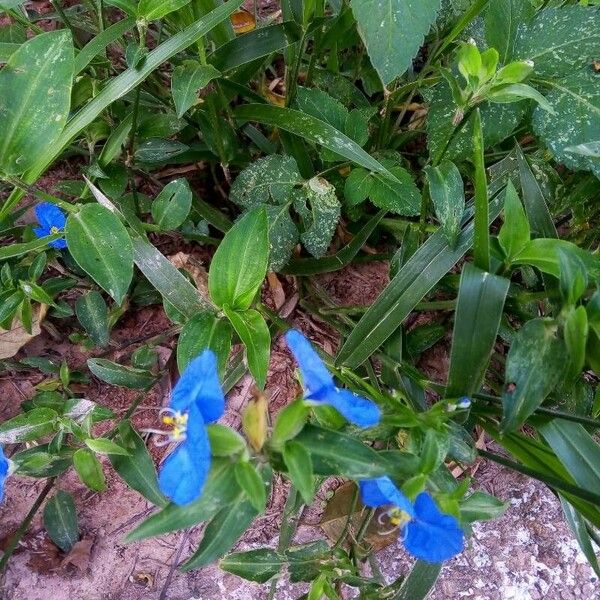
[(54, 230), (398, 517)]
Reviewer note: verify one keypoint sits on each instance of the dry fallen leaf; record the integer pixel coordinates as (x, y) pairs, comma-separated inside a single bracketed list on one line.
[(79, 556), (45, 558), (13, 339), (181, 260), (277, 292), (243, 21)]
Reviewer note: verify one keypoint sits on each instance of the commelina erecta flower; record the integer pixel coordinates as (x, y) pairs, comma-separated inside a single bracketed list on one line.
[(52, 220), (427, 533), (4, 472), (320, 387), (196, 401)]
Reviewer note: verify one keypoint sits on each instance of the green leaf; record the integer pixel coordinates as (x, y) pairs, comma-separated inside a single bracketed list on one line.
[(254, 565), (158, 150), (205, 330), (480, 506), (152, 10), (313, 130), (535, 365), (321, 105), (172, 205), (577, 525), (575, 334), (105, 446), (393, 32), (89, 469), (497, 120), (13, 250), (481, 240), (254, 333), (251, 482), (60, 520), (101, 246), (239, 265), (503, 18), (481, 299), (225, 441), (115, 374), (448, 195), (514, 234), (35, 95), (573, 276), (299, 465), (137, 468), (576, 100), (560, 41), (188, 79), (29, 426), (322, 218), (224, 530), (92, 312), (419, 582), (577, 451), (416, 277), (220, 490), (290, 422)]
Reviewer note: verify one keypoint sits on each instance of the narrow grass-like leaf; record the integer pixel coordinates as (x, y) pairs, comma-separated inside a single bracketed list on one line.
[(481, 240)]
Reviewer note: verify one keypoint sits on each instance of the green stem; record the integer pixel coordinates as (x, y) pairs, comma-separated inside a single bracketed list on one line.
[(342, 538), (17, 16), (66, 22), (16, 538), (34, 191)]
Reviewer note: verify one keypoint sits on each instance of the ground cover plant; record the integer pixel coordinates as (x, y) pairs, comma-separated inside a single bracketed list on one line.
[(222, 156)]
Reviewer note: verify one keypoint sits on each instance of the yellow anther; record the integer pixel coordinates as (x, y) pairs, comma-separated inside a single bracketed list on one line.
[(168, 420), (54, 230), (398, 517)]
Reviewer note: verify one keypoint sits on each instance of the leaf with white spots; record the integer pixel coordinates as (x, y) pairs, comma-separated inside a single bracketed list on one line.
[(188, 79), (393, 31), (576, 100), (35, 96), (560, 40)]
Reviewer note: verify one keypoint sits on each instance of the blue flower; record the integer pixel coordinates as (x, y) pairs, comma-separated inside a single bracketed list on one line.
[(320, 387), (52, 220), (4, 472), (196, 401), (429, 534)]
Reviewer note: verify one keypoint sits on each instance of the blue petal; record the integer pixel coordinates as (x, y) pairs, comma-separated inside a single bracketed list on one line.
[(59, 244), (41, 231), (4, 468), (315, 375), (432, 535), (357, 410), (199, 384), (184, 471), (382, 491), (49, 215)]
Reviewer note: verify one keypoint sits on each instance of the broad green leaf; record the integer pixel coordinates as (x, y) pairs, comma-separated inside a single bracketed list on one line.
[(480, 302), (137, 468), (115, 374), (577, 451), (419, 582), (393, 32), (205, 330), (60, 520), (152, 10), (158, 150), (514, 234), (239, 265), (503, 19), (447, 192), (220, 490), (313, 130), (38, 462), (254, 333), (101, 246), (299, 465), (105, 446), (576, 100), (188, 79), (225, 441), (100, 42), (573, 276), (498, 122), (321, 105), (534, 366), (290, 422), (89, 469), (480, 506), (560, 41), (172, 205), (416, 277), (35, 95), (29, 426), (321, 219), (224, 530), (92, 312), (254, 565), (119, 86), (252, 484)]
